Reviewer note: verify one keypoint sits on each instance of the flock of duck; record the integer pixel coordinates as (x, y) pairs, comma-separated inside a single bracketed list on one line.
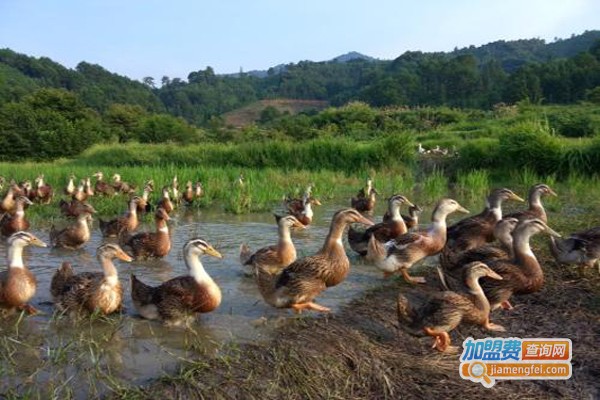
[(484, 259)]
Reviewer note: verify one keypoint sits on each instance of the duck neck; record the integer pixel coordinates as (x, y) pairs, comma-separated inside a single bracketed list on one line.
[(535, 199), (478, 296), (15, 256), (284, 235), (438, 223), (133, 209), (161, 226), (110, 271), (196, 269), (308, 211), (494, 206), (145, 194), (524, 257), (394, 210), (333, 242)]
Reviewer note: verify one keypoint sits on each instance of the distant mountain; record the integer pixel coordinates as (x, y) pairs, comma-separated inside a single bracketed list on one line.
[(351, 56), (344, 58)]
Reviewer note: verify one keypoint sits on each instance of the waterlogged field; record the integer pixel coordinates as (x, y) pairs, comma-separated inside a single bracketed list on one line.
[(47, 356)]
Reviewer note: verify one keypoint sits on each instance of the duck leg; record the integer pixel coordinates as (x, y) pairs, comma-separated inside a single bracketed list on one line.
[(441, 340), (411, 279), (494, 327), (299, 307), (29, 309)]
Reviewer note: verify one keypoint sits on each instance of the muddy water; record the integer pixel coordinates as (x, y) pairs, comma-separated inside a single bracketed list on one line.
[(46, 351)]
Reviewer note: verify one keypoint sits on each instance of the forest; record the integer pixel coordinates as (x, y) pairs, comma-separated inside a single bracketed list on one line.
[(61, 112)]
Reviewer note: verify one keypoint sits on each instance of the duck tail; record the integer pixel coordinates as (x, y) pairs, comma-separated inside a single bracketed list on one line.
[(245, 254), (60, 280), (140, 292), (406, 312)]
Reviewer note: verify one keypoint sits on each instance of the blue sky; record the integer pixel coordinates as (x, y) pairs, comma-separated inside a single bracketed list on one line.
[(139, 38)]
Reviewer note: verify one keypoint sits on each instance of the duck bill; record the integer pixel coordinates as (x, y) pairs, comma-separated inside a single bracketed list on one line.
[(316, 202), (516, 198), (494, 275), (462, 210), (38, 243), (300, 225), (364, 220), (552, 192), (124, 256), (408, 203), (552, 232), (212, 252)]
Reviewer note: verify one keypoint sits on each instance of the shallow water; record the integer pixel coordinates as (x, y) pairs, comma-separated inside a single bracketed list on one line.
[(46, 351)]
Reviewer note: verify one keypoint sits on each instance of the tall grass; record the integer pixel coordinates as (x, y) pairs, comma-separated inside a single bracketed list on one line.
[(321, 154), (473, 184)]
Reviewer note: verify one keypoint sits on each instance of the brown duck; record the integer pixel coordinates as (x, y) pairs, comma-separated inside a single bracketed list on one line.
[(536, 208), (477, 230), (180, 299), (522, 274), (10, 224), (274, 257), (76, 234), (383, 231), (297, 285), (400, 254), (17, 283), (437, 313), (150, 244), (90, 291), (125, 223)]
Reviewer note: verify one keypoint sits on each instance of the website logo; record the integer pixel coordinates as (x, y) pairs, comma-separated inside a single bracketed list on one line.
[(487, 360)]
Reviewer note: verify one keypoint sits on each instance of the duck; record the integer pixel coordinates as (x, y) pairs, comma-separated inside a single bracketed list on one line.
[(276, 256), (74, 207), (295, 205), (127, 222), (383, 231), (477, 230), (581, 248), (101, 186), (365, 191), (175, 189), (437, 313), (411, 219), (43, 193), (188, 194), (198, 190), (75, 235), (10, 224), (81, 194), (536, 208), (90, 292), (121, 186), (179, 300), (143, 205), (165, 202), (87, 186), (70, 188), (503, 249), (297, 285), (305, 213), (8, 205), (522, 273), (150, 244), (403, 252), (17, 283), (365, 204)]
